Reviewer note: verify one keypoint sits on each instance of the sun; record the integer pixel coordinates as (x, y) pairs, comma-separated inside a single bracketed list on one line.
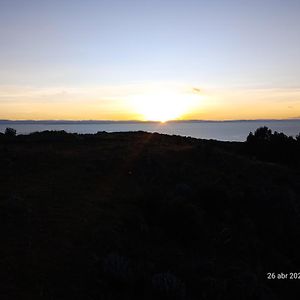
[(163, 106)]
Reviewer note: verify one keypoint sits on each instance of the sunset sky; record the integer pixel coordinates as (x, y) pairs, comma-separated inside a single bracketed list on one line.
[(149, 60)]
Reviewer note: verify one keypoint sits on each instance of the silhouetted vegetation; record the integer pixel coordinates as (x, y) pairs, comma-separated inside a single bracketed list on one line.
[(274, 147), (148, 216), (10, 132)]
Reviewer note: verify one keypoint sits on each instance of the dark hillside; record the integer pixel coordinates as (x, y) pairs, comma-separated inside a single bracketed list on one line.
[(145, 216)]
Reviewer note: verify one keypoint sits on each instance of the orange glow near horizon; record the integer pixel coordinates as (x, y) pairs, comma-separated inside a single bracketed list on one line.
[(147, 102)]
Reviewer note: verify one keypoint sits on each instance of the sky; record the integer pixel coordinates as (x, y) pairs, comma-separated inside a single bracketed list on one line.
[(149, 60)]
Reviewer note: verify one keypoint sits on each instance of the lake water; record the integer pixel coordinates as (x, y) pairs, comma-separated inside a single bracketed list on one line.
[(225, 131)]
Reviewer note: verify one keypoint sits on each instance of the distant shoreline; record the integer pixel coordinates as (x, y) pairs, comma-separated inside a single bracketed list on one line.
[(136, 121)]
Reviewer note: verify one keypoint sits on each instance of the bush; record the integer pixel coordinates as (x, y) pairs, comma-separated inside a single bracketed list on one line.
[(274, 147), (263, 133), (117, 269), (168, 286), (10, 132)]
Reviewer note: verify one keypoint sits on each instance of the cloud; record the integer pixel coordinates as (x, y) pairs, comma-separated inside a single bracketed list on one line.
[(197, 90)]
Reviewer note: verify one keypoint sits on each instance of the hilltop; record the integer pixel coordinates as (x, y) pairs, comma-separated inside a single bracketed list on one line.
[(146, 216)]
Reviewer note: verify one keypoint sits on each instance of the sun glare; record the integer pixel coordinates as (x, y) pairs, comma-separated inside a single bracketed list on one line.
[(164, 106)]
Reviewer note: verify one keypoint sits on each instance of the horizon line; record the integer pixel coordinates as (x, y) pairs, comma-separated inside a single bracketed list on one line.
[(141, 121)]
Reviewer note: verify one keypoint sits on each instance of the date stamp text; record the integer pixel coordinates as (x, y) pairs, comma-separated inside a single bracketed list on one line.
[(282, 275)]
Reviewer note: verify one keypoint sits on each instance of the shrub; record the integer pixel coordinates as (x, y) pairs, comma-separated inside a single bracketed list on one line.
[(10, 132), (117, 269), (168, 286), (263, 133)]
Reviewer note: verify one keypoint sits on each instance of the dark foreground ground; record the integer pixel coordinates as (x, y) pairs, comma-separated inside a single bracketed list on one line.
[(145, 216)]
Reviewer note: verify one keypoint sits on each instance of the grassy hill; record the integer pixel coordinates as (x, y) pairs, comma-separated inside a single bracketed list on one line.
[(145, 216)]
